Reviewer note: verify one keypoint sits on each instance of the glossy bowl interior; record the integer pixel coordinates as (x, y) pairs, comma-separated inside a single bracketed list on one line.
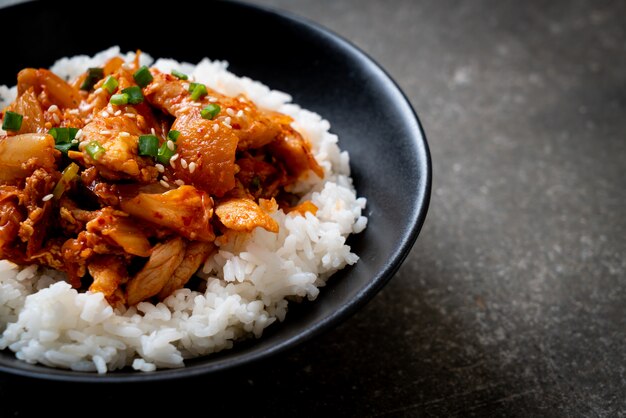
[(324, 73)]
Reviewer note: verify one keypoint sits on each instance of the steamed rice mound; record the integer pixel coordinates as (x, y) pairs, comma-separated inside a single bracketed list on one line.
[(249, 280)]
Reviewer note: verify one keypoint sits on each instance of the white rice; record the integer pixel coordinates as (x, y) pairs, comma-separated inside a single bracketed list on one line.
[(248, 281)]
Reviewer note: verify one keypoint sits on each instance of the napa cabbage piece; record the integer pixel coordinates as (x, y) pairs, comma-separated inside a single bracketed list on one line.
[(21, 154), (185, 210)]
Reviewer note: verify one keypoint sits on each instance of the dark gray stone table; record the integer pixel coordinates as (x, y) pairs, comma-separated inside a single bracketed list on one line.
[(513, 300)]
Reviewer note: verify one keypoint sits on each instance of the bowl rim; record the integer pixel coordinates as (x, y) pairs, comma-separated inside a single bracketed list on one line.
[(422, 199)]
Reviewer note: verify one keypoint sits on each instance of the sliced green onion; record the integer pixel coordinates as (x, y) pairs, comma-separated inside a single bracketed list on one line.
[(179, 75), (192, 86), (134, 94), (119, 99), (95, 150), (12, 121), (69, 173), (143, 77), (173, 135), (164, 154), (93, 76), (210, 111), (60, 135), (64, 148), (198, 91), (148, 145), (63, 138), (63, 135), (110, 84)]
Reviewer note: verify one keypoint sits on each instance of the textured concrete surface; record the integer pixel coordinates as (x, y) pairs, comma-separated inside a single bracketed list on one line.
[(513, 300)]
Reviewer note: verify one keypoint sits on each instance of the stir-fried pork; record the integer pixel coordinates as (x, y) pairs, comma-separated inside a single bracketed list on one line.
[(124, 177)]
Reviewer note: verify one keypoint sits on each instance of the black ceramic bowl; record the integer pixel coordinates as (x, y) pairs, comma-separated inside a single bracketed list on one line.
[(324, 73)]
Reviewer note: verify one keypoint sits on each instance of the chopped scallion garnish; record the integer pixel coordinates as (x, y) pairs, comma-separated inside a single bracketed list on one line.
[(12, 121), (199, 91), (60, 135), (110, 84), (143, 77), (173, 135), (134, 94), (69, 173), (64, 148), (119, 99), (210, 111), (94, 150), (73, 132), (164, 154), (179, 75), (93, 76), (148, 145), (63, 138)]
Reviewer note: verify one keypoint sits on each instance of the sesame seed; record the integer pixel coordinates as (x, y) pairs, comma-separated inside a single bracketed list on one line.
[(119, 112), (152, 131), (165, 178), (124, 134), (179, 182), (247, 109), (47, 197), (164, 184), (105, 132), (230, 112), (127, 66), (160, 168), (53, 108), (79, 134), (240, 113), (98, 90), (74, 141), (185, 86), (85, 107), (192, 167), (216, 127), (212, 99), (227, 120), (130, 115), (175, 157), (56, 119), (104, 114), (227, 125), (170, 145), (172, 164), (73, 111), (183, 163), (110, 108)]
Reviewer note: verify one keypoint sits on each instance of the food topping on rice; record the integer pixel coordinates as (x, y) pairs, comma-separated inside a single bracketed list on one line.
[(123, 177), (156, 211)]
